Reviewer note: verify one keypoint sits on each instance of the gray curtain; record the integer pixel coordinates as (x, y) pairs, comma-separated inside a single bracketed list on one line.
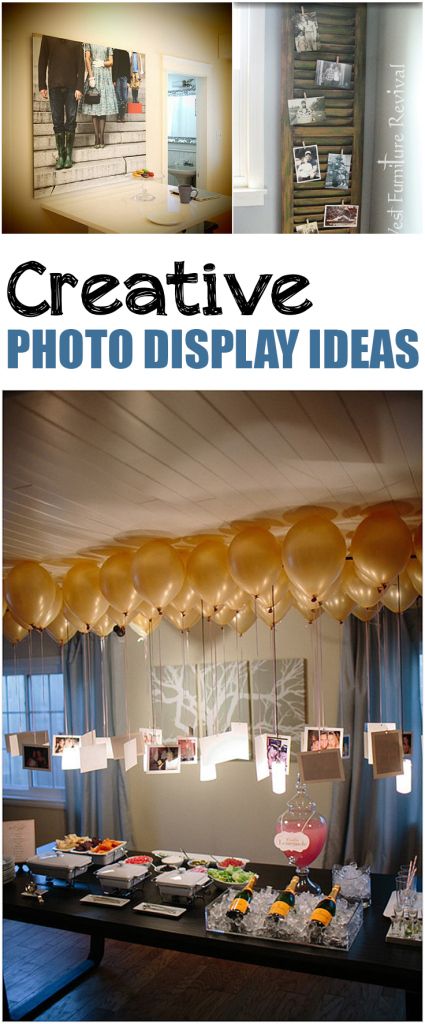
[(370, 822), (97, 802)]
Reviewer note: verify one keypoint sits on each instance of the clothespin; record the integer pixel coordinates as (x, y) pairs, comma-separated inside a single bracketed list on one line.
[(303, 144), (342, 151), (302, 9), (305, 95), (337, 59)]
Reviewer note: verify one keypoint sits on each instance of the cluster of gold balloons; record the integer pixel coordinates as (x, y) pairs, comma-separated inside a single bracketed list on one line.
[(254, 575)]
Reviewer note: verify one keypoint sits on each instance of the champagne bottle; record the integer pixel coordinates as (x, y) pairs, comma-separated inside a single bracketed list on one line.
[(285, 901), (324, 912), (240, 904)]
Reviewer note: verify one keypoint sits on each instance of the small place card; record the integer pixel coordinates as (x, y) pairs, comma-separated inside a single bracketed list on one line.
[(323, 766), (93, 757), (130, 754), (19, 840), (387, 750)]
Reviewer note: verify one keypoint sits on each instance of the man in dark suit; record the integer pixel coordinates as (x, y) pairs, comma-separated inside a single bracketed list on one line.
[(61, 61)]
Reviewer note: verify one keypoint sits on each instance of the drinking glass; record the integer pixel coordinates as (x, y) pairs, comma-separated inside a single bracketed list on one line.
[(398, 923)]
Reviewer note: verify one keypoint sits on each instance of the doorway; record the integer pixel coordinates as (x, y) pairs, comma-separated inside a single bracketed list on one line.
[(185, 85), (181, 107)]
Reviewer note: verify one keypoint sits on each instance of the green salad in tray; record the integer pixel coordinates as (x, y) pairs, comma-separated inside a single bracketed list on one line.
[(230, 876)]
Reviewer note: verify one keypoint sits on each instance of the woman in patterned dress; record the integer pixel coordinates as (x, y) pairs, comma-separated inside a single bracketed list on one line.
[(98, 60)]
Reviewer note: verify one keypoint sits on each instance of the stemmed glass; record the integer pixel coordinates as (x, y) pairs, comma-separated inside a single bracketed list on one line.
[(145, 196)]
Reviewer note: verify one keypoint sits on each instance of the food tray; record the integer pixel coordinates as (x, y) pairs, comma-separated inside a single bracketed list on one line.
[(182, 883), (254, 924), (103, 859), (123, 876), (59, 865)]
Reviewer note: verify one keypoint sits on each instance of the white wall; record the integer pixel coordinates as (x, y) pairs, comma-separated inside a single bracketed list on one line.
[(193, 31), (268, 218), (235, 814), (394, 38)]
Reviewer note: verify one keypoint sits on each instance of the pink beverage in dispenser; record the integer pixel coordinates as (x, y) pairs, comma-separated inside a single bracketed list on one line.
[(307, 842), (300, 834)]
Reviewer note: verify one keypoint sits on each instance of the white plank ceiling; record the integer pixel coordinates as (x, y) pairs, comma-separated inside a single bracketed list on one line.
[(85, 472)]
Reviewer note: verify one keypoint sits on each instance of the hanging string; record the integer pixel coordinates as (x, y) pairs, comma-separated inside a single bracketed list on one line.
[(368, 668), (238, 679), (256, 625), (42, 669), (85, 686), (102, 684), (204, 678), (65, 707), (316, 701), (320, 670), (30, 716), (183, 660), (20, 691), (91, 700), (224, 678), (209, 687), (217, 703), (400, 658), (160, 675), (379, 667), (255, 701), (153, 702), (126, 681), (276, 703), (341, 692)]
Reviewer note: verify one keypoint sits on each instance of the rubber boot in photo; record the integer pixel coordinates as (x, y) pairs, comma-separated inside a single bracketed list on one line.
[(60, 146), (68, 150)]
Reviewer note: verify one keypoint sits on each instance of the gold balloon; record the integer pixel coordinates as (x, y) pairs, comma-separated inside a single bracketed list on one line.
[(277, 591), (414, 572), (104, 625), (363, 594), (56, 606), (208, 572), (117, 617), (207, 610), (182, 620), (82, 593), (366, 614), (142, 624), (417, 542), (30, 592), (302, 599), (12, 630), (186, 597), (275, 614), (116, 582), (148, 611), (243, 620), (224, 615), (60, 629), (338, 604), (309, 614), (381, 547), (70, 616), (313, 554), (400, 594), (254, 560), (158, 572), (238, 598)]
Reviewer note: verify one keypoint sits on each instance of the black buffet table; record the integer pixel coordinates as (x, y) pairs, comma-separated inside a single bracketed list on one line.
[(369, 960)]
